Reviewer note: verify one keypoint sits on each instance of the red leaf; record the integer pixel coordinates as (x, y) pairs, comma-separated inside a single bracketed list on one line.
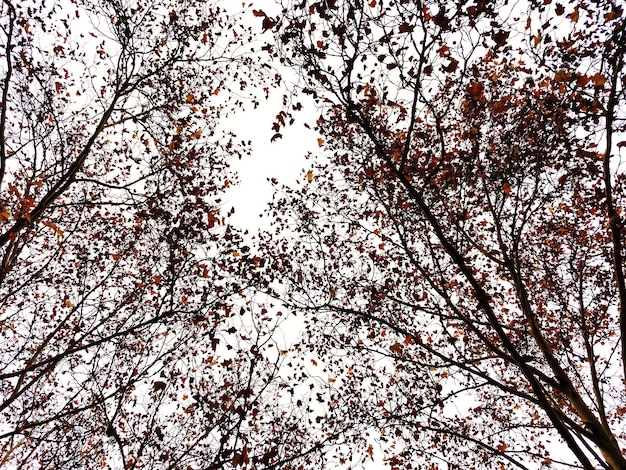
[(212, 219), (476, 90), (259, 13), (268, 23), (158, 385), (500, 37), (452, 66), (506, 187)]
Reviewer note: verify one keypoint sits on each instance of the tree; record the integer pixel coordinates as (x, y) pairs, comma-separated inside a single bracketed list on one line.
[(457, 253), (127, 338)]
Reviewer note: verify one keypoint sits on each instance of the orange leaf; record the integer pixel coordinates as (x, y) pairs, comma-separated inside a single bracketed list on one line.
[(54, 227), (506, 188), (396, 347), (615, 13), (598, 79), (320, 142), (562, 76), (476, 90), (309, 176)]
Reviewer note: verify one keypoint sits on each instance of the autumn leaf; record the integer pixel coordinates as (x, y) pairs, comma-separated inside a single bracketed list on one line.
[(562, 76), (212, 218), (506, 187), (452, 65), (268, 23), (615, 13), (598, 80), (309, 176), (475, 89), (320, 142), (406, 28), (54, 227), (500, 37), (158, 386)]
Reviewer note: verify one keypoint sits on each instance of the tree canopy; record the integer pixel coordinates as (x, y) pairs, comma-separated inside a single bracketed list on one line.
[(444, 289), (458, 255)]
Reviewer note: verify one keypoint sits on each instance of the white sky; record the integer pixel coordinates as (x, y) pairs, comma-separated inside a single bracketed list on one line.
[(283, 159)]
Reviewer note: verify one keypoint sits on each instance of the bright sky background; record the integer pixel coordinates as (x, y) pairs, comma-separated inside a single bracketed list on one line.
[(283, 159)]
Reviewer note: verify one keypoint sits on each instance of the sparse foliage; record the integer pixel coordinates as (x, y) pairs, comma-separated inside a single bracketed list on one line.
[(458, 259), (121, 343)]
